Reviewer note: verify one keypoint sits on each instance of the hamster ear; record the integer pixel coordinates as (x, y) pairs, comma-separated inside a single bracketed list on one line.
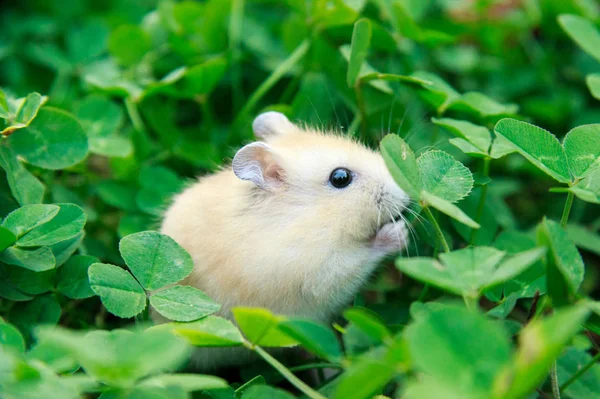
[(269, 124), (257, 163)]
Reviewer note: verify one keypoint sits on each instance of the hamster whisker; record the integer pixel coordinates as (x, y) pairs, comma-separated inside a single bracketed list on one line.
[(411, 229)]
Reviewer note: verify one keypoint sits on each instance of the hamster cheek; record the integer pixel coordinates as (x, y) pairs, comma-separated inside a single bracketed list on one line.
[(392, 237)]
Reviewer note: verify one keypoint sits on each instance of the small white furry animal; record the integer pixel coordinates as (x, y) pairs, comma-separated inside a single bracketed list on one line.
[(296, 225)]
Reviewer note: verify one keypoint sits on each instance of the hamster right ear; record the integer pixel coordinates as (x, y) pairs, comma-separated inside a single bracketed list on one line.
[(257, 163), (269, 124)]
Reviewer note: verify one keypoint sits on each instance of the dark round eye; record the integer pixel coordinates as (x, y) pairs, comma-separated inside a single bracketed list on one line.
[(340, 178)]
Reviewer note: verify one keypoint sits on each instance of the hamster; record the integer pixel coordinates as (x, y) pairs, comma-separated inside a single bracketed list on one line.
[(296, 224)]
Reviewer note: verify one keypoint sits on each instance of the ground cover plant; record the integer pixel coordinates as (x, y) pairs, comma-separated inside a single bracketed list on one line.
[(487, 113)]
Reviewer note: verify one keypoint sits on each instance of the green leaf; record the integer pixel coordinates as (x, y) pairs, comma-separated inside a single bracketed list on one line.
[(593, 84), (72, 278), (25, 187), (443, 176), (368, 322), (210, 331), (445, 344), (53, 140), (118, 194), (87, 41), (28, 217), (582, 147), (539, 146), (120, 357), (437, 92), (583, 32), (4, 110), (370, 74), (11, 338), (564, 265), (265, 391), (183, 303), (188, 382), (115, 146), (364, 378), (37, 259), (261, 327), (588, 384), (584, 238), (361, 39), (448, 208), (99, 116), (155, 259), (540, 343), (29, 109), (128, 44), (482, 105), (118, 290), (476, 135), (314, 337), (190, 82), (23, 283), (7, 238), (588, 189), (43, 309), (158, 186), (401, 162), (63, 250), (501, 147), (469, 271), (65, 225)]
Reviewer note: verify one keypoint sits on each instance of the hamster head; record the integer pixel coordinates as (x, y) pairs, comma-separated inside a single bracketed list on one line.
[(331, 180)]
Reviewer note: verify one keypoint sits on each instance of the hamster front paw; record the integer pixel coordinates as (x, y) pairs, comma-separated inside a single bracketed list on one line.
[(392, 237)]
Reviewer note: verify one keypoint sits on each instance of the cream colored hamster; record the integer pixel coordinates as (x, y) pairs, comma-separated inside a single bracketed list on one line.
[(296, 224)]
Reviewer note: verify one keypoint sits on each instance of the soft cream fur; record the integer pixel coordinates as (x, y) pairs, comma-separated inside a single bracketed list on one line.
[(295, 245)]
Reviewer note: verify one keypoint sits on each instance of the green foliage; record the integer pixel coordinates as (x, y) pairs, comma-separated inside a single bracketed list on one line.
[(493, 130)]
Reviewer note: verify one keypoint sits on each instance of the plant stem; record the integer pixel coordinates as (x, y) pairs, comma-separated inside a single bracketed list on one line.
[(277, 74), (471, 302), (235, 34), (481, 206), (134, 115), (580, 372), (360, 102), (437, 228), (295, 381), (554, 382), (567, 210), (316, 366)]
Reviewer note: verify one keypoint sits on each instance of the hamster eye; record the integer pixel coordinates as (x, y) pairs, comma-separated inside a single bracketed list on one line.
[(340, 178)]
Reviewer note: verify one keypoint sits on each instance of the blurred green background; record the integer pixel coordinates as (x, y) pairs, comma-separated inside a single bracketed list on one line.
[(166, 91)]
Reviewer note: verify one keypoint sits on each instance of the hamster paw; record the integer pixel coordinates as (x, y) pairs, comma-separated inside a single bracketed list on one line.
[(392, 237)]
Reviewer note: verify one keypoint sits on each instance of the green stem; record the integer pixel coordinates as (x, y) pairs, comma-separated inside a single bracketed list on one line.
[(360, 102), (567, 210), (471, 302), (316, 366), (481, 206), (295, 381), (134, 115), (554, 381), (235, 34), (437, 229), (580, 372), (277, 74)]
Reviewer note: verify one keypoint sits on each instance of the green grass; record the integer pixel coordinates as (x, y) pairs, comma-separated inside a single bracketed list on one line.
[(487, 113)]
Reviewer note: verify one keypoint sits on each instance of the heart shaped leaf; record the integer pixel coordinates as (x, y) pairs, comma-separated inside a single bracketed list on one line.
[(402, 164), (155, 259), (118, 290), (443, 176), (183, 303), (539, 146)]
